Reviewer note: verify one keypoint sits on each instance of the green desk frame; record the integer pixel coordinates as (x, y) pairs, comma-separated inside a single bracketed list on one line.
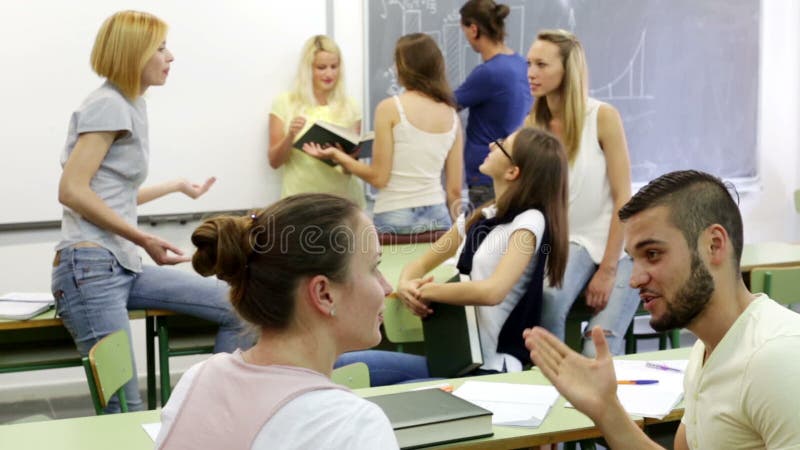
[(125, 431)]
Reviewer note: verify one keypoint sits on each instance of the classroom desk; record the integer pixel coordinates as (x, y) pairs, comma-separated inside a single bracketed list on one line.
[(676, 353), (561, 424), (117, 431), (773, 254), (124, 431), (59, 350)]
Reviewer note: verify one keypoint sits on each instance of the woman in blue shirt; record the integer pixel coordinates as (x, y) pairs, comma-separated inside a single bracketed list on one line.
[(496, 92)]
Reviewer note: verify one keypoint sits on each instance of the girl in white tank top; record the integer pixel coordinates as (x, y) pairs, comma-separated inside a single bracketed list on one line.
[(417, 136)]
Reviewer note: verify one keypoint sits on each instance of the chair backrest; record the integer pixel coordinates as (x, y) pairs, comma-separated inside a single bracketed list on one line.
[(400, 324), (781, 284), (354, 376), (108, 367)]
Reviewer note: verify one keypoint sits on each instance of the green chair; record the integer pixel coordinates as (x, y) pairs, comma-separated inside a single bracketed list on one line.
[(108, 367), (632, 337), (354, 376), (400, 325), (781, 284)]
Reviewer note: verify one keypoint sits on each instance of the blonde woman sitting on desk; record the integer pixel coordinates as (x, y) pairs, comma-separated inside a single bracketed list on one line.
[(310, 306), (417, 134), (318, 94)]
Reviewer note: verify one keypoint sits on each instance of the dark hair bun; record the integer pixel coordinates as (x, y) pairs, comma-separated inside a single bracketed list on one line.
[(501, 12), (222, 249)]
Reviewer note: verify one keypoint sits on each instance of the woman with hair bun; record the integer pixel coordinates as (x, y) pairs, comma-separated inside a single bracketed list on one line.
[(304, 272), (496, 91)]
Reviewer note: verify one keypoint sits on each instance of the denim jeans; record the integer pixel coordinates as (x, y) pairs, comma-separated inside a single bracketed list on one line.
[(387, 368), (618, 313), (94, 293), (413, 220)]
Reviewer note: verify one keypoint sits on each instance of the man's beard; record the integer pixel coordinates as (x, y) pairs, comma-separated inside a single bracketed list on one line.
[(689, 301)]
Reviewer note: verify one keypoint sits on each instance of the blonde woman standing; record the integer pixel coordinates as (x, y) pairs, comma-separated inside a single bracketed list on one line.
[(599, 184), (318, 94)]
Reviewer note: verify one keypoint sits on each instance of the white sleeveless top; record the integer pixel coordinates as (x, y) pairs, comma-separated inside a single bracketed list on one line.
[(419, 156), (590, 201)]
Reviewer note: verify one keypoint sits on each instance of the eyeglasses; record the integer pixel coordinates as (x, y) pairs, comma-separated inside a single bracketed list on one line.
[(499, 144)]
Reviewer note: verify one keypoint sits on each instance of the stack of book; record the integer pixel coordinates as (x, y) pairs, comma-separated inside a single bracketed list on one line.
[(432, 416)]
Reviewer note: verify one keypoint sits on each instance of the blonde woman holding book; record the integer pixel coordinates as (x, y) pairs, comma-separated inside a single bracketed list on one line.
[(318, 94), (417, 136)]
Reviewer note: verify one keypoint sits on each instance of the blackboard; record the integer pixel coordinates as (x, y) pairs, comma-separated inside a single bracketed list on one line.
[(231, 60), (682, 73)]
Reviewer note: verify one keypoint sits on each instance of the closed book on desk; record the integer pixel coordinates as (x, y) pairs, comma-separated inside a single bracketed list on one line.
[(432, 416), (327, 134), (24, 305), (452, 341)]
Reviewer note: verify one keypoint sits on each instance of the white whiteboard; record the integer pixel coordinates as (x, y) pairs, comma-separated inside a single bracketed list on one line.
[(231, 59)]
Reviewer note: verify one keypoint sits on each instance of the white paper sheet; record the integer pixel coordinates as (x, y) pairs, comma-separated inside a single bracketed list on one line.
[(522, 405), (152, 429), (650, 400)]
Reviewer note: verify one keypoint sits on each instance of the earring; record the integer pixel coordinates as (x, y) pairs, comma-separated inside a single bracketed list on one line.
[(333, 311)]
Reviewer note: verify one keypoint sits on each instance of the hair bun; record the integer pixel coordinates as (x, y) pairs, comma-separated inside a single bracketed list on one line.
[(222, 249), (501, 11)]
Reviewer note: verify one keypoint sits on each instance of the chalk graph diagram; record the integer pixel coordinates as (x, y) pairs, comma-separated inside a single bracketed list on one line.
[(629, 84), (458, 55)]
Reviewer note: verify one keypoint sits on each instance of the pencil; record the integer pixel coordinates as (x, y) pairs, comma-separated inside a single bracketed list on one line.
[(637, 381)]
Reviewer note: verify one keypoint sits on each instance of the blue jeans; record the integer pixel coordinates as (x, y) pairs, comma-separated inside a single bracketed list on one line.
[(94, 293), (387, 368), (413, 220), (617, 315)]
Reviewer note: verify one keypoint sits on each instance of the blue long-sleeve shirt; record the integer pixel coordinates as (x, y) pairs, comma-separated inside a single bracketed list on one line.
[(498, 97)]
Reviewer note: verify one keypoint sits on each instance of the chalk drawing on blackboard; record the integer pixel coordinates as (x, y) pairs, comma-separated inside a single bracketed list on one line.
[(630, 83), (456, 51), (394, 87), (430, 5)]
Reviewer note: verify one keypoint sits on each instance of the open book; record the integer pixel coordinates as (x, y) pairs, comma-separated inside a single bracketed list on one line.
[(327, 134), (24, 305)]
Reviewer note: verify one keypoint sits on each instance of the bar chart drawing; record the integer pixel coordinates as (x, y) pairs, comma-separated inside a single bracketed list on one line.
[(630, 83)]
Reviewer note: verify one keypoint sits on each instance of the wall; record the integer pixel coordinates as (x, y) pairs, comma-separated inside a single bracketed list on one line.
[(768, 212)]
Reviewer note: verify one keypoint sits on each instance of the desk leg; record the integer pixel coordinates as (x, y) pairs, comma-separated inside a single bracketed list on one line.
[(149, 323)]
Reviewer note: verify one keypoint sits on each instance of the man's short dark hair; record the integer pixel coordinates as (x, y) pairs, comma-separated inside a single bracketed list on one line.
[(696, 200)]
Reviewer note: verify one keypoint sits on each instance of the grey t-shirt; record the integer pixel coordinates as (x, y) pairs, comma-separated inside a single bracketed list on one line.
[(120, 174)]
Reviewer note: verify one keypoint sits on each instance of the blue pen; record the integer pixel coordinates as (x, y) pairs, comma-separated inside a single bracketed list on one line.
[(637, 381), (653, 365)]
